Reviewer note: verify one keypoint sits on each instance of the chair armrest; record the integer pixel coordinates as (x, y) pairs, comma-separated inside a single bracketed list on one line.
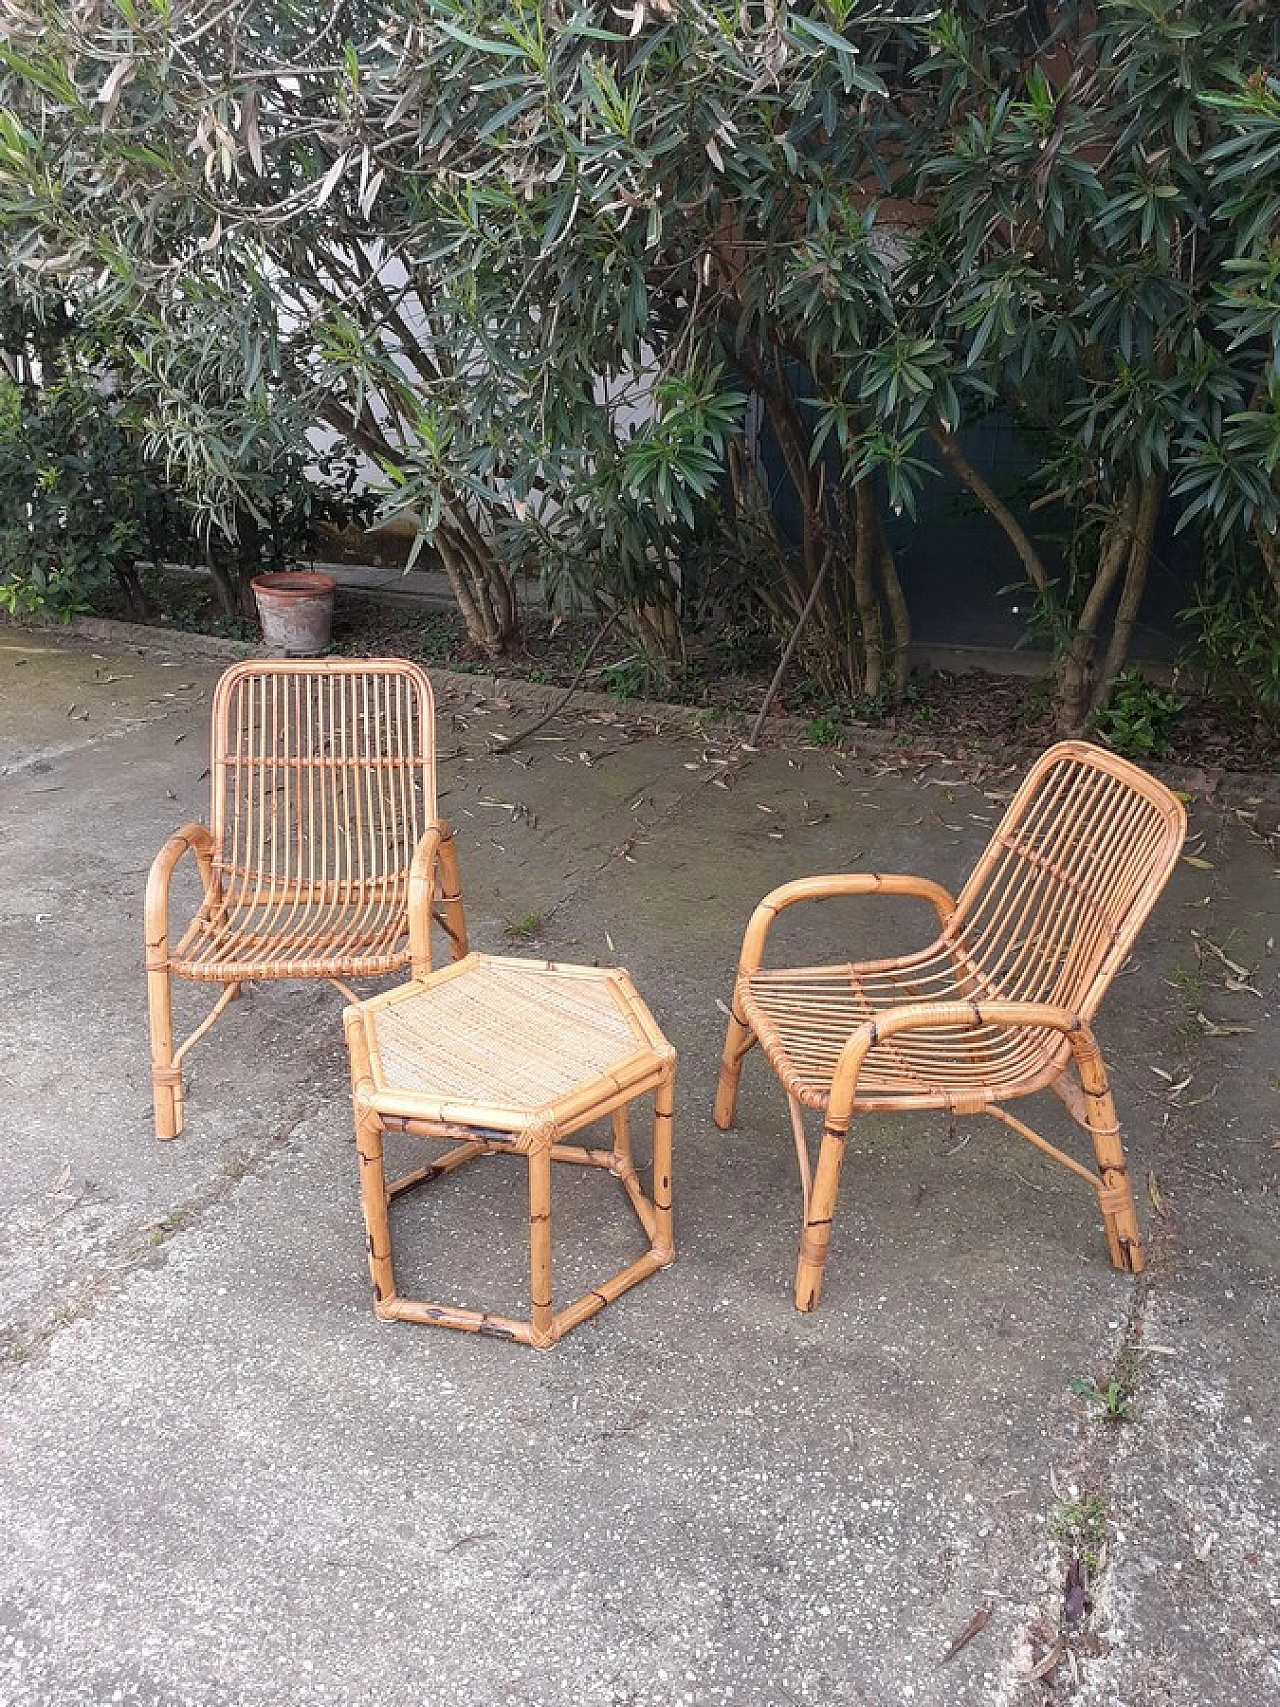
[(925, 1016), (194, 838), (826, 888), (434, 878)]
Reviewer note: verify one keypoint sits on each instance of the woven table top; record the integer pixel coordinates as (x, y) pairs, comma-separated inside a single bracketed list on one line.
[(516, 1036)]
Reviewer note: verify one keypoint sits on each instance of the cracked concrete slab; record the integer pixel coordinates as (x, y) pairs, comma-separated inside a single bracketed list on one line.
[(226, 1483)]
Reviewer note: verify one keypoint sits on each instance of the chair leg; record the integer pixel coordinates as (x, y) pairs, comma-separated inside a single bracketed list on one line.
[(818, 1217), (1115, 1189), (737, 1042), (541, 1315), (802, 1153), (373, 1202), (166, 1076)]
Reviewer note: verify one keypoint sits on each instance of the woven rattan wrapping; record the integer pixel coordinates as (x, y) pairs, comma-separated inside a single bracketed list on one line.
[(518, 1036), (511, 1056), (322, 826), (804, 1017)]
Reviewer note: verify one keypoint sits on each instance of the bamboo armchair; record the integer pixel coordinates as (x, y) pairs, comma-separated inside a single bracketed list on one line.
[(323, 857), (998, 1006)]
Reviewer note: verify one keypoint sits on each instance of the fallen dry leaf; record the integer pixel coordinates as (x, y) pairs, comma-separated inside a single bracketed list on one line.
[(1042, 1668), (979, 1622), (1212, 1029), (1231, 965)]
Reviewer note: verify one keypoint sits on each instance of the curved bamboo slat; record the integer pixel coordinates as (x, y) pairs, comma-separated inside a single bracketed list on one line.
[(512, 1057), (322, 822), (996, 1007)]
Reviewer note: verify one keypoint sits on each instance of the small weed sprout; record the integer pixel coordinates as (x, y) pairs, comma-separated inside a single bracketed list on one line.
[(1081, 1525), (1114, 1401)]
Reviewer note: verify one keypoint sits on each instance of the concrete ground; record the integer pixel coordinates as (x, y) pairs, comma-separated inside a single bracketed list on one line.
[(224, 1483)]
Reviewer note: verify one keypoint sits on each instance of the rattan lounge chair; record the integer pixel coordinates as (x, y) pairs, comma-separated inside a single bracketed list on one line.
[(999, 1005), (323, 858)]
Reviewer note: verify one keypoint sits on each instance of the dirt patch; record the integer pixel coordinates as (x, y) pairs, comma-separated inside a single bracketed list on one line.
[(728, 678), (950, 710)]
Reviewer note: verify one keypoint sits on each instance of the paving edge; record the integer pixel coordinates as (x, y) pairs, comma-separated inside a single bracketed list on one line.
[(1227, 788)]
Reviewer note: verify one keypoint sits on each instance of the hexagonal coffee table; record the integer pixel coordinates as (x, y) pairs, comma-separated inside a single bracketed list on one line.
[(512, 1056)]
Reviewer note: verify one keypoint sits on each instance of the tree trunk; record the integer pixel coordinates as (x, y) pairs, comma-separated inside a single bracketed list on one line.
[(481, 587), (140, 607), (899, 615), (1270, 551), (828, 623), (491, 579), (1135, 581), (993, 504), (868, 540), (656, 626), (225, 589), (789, 650), (1074, 671)]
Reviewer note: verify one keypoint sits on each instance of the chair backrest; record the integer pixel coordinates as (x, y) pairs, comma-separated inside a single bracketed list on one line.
[(323, 777), (1074, 867)]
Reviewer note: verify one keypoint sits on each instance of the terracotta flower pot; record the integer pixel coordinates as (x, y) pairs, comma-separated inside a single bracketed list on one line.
[(296, 611)]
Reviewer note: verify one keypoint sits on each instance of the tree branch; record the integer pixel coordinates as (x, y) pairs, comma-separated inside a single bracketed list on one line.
[(789, 650), (507, 743), (991, 501)]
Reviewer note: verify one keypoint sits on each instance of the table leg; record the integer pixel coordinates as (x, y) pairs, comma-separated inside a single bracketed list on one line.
[(663, 1107), (373, 1202), (622, 1136), (541, 1314)]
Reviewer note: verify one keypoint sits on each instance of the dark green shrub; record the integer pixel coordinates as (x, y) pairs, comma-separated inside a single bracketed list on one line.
[(73, 501), (1236, 618), (1138, 718)]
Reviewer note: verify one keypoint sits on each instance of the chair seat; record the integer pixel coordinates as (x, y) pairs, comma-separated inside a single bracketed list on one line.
[(804, 1016), (302, 940)]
